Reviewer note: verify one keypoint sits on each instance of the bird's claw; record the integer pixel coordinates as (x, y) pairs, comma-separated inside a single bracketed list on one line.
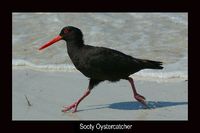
[(67, 108), (141, 99)]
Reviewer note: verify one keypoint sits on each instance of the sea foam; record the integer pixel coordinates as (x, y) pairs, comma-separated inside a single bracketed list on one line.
[(147, 74), (19, 63)]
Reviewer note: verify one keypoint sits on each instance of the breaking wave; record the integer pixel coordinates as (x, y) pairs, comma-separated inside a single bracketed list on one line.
[(151, 74)]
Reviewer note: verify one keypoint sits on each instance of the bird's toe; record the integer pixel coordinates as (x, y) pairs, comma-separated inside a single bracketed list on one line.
[(67, 108), (141, 99)]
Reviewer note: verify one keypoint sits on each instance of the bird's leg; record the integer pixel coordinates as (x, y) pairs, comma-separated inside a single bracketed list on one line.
[(137, 96), (75, 104), (92, 83)]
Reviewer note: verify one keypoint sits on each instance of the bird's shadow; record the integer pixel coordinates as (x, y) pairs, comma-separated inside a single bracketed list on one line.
[(137, 105), (130, 105)]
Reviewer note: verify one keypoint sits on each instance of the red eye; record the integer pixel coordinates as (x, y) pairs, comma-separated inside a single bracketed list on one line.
[(66, 31)]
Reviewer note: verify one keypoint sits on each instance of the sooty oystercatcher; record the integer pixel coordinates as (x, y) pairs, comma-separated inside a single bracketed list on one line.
[(100, 63)]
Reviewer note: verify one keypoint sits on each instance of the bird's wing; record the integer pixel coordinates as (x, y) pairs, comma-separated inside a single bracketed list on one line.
[(105, 60)]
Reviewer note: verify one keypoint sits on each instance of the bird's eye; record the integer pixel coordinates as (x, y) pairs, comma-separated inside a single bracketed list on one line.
[(67, 30)]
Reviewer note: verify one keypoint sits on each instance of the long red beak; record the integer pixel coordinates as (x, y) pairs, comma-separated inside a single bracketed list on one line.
[(56, 39)]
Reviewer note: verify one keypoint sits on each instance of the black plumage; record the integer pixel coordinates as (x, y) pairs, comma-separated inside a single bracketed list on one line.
[(100, 63)]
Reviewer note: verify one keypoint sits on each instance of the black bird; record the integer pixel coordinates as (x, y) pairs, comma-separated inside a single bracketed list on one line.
[(100, 63)]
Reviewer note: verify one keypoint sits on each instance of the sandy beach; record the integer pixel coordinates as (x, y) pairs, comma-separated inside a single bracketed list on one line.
[(48, 92), (45, 81)]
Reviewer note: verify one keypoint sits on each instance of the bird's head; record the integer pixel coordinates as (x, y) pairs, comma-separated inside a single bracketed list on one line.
[(68, 33)]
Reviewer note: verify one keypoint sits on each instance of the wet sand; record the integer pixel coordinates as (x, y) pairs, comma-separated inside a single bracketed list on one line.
[(39, 95)]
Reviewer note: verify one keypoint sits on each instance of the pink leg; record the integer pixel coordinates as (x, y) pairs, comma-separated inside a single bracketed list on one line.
[(92, 83), (75, 104), (137, 96)]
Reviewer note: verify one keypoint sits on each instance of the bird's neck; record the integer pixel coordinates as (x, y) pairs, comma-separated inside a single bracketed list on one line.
[(75, 43), (74, 46)]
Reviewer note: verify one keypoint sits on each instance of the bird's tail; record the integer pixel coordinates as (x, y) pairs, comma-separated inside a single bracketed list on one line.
[(152, 64)]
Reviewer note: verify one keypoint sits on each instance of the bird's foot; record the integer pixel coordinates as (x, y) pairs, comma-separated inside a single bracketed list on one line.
[(141, 99), (67, 108)]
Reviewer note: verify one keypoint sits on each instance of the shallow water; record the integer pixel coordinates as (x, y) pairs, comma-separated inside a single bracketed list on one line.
[(156, 36)]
